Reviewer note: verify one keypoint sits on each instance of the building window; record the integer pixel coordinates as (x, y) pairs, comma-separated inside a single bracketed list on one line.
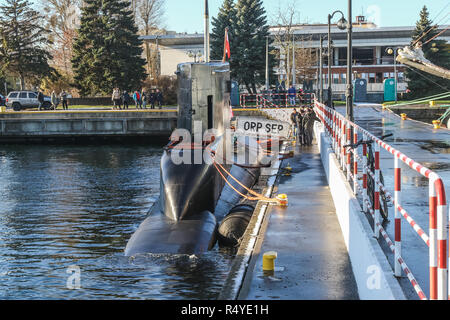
[(335, 78), (343, 78), (372, 78)]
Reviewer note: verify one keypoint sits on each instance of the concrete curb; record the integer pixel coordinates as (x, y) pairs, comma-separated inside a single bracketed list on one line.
[(372, 271)]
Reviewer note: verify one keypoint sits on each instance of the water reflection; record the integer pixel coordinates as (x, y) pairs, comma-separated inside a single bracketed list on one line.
[(78, 205)]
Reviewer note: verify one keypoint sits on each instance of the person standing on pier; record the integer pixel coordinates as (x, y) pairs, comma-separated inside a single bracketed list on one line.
[(54, 100), (116, 99), (294, 119), (137, 99), (144, 98), (291, 93), (125, 99), (63, 96), (40, 99), (159, 98), (152, 99)]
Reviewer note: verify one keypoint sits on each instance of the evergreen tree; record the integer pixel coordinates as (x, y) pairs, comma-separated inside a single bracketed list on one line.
[(107, 49), (420, 83), (226, 18), (22, 43), (251, 32)]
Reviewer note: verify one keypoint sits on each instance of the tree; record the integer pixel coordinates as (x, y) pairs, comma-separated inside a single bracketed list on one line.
[(251, 32), (285, 21), (149, 19), (107, 48), (420, 83), (22, 43), (226, 18), (61, 16)]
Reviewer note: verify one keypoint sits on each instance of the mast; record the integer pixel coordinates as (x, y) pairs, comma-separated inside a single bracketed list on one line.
[(206, 36)]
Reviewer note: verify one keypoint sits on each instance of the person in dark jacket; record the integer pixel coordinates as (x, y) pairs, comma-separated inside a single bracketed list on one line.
[(159, 98), (40, 98), (125, 99), (152, 98)]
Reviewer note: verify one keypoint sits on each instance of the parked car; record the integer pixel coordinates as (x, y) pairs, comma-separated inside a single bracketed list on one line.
[(19, 100), (2, 100)]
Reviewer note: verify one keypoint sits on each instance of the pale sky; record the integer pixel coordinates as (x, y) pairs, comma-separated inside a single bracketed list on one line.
[(187, 15)]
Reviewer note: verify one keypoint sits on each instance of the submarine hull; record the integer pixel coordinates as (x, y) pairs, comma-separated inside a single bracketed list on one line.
[(159, 234)]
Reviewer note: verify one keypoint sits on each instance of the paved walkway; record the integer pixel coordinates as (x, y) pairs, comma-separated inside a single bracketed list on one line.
[(312, 262)]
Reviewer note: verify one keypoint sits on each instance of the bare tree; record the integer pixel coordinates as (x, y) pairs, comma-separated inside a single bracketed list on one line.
[(62, 18), (149, 16), (284, 22)]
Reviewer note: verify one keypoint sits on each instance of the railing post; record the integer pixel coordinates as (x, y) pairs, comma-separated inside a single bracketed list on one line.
[(364, 154), (355, 163), (398, 218), (343, 139), (442, 276), (376, 196), (349, 153), (433, 259)]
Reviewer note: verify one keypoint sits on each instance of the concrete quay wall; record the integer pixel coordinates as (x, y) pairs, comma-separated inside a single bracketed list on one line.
[(25, 125)]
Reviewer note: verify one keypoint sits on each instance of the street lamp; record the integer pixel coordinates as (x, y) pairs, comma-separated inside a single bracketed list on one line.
[(349, 93), (194, 54), (342, 25), (393, 51)]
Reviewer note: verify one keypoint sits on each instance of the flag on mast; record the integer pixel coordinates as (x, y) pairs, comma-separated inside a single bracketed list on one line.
[(226, 47)]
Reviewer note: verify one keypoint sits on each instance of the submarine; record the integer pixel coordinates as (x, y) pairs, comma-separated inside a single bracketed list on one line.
[(196, 194)]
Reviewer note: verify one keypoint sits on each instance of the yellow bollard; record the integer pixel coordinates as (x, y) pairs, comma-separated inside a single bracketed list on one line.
[(437, 124), (383, 106), (269, 261), (403, 115), (282, 200), (432, 103), (294, 142)]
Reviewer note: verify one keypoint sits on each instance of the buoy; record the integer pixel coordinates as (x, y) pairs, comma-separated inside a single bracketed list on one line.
[(269, 261), (403, 115), (437, 124), (282, 200)]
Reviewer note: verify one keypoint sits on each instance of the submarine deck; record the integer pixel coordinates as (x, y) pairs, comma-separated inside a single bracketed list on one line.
[(312, 261)]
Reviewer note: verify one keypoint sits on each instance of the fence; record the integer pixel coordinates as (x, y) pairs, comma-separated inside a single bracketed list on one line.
[(343, 132), (274, 100)]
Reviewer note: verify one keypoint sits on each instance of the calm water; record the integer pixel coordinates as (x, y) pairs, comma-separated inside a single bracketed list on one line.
[(78, 206)]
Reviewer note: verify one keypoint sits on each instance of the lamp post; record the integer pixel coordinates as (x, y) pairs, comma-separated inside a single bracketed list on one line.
[(321, 70), (194, 54), (342, 25), (349, 93), (393, 51)]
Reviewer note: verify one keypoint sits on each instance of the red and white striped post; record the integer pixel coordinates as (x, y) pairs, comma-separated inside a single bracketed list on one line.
[(376, 196), (349, 154), (364, 153), (343, 141), (433, 258), (398, 217), (442, 276), (355, 163)]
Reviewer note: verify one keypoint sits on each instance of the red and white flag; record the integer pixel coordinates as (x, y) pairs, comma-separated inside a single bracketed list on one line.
[(226, 47)]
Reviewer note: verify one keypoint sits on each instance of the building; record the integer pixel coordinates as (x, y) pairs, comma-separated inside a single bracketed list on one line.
[(371, 60)]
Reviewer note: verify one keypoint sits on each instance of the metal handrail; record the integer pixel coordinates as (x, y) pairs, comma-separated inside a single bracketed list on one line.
[(339, 130)]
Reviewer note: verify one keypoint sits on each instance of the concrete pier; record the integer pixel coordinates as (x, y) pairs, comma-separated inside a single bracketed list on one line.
[(31, 125), (312, 262)]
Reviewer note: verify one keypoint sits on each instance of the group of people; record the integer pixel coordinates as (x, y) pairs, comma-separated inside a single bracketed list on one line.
[(141, 99), (303, 123), (56, 99)]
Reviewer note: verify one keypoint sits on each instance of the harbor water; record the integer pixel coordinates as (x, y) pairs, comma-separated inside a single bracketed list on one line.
[(66, 214)]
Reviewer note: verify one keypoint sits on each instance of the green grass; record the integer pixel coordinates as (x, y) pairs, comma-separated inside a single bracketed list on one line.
[(339, 103)]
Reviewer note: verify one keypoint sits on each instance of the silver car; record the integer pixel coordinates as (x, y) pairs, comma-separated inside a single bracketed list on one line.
[(19, 100)]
